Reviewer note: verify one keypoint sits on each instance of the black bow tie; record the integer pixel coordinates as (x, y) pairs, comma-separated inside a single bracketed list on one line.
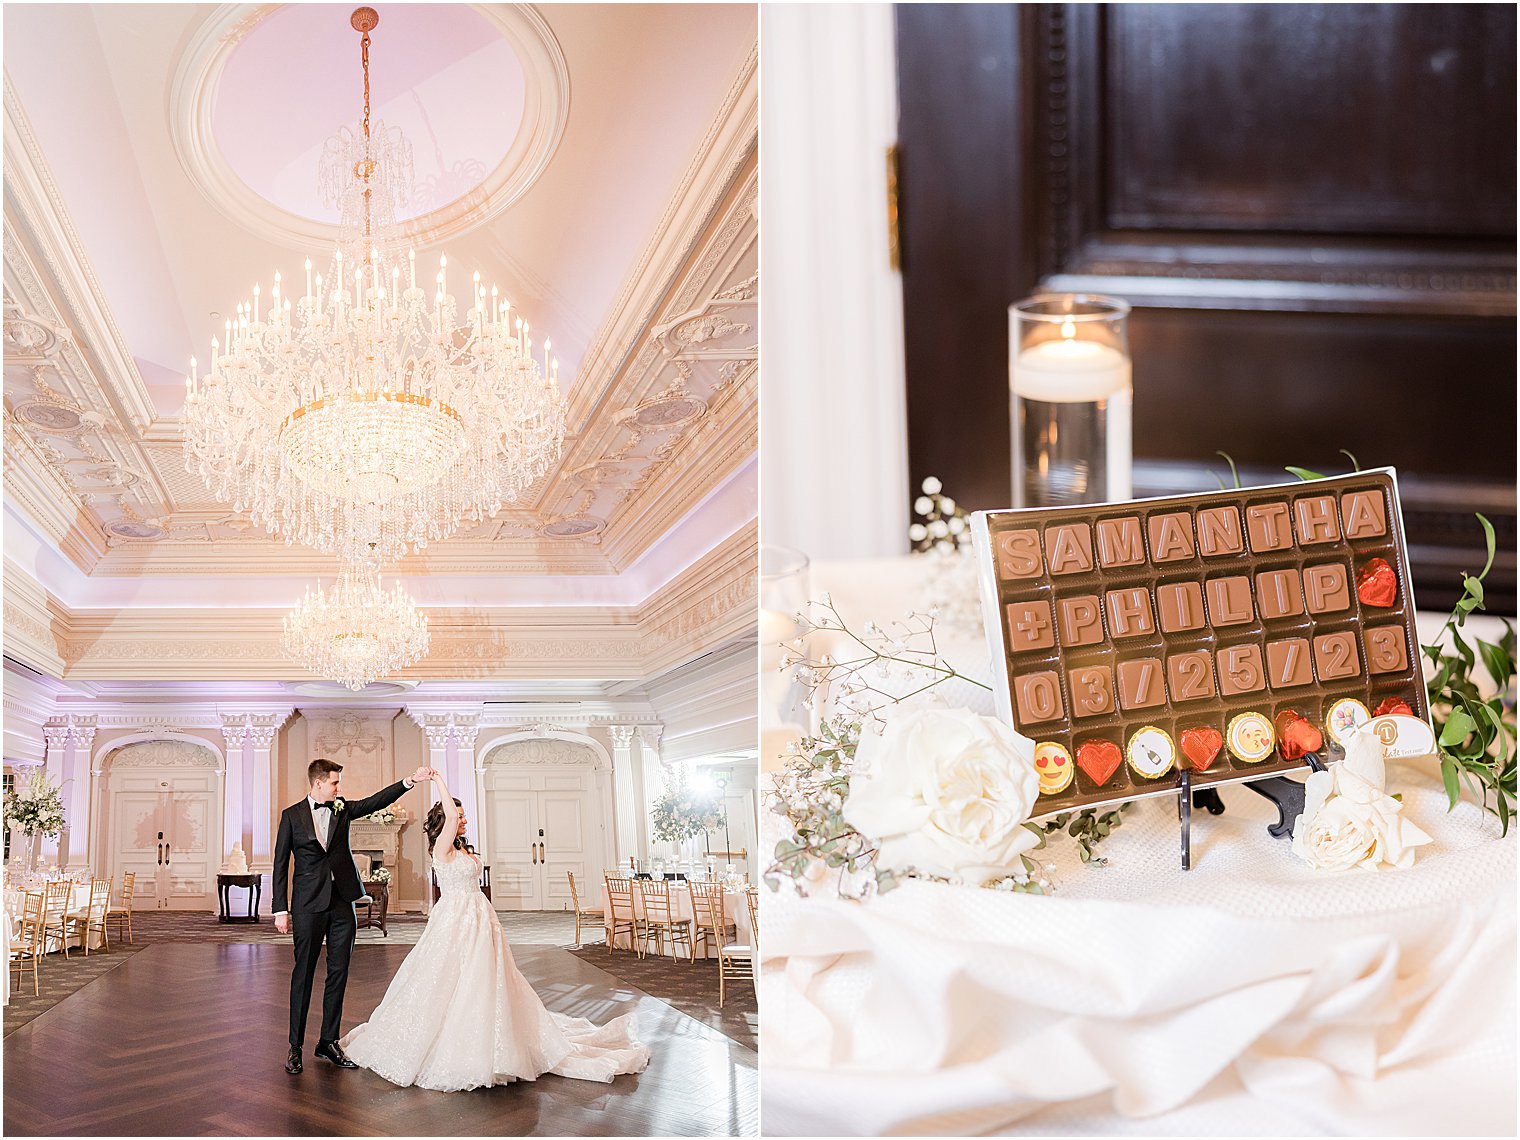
[(328, 806)]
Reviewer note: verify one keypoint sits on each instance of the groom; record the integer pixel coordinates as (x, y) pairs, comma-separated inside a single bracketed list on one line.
[(315, 831)]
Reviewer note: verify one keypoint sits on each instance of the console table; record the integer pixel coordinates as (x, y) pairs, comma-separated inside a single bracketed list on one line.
[(253, 884)]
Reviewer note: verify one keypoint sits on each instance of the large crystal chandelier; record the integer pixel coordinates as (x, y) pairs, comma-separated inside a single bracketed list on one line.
[(357, 631), (367, 415)]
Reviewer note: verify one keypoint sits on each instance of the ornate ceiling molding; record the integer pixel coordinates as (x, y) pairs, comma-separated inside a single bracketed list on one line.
[(192, 104), (707, 607)]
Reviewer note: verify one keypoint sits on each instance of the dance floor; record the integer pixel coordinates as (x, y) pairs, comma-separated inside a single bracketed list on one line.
[(186, 1039)]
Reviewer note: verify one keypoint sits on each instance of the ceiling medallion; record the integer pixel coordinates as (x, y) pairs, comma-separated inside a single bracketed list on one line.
[(357, 631), (44, 415), (131, 528), (572, 528), (366, 415), (668, 413)]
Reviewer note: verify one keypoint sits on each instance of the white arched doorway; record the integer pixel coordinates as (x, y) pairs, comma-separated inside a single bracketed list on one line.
[(160, 816), (548, 809)]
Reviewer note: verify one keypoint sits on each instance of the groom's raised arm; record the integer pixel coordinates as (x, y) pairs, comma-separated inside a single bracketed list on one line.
[(384, 796)]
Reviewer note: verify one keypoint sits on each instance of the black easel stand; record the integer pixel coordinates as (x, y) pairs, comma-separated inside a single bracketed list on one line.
[(1287, 794)]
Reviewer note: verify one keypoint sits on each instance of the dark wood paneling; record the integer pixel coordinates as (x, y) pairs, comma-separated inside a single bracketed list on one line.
[(1320, 253)]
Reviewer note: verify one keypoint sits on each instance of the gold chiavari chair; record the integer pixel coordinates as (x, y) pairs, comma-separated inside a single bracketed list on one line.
[(27, 949), (55, 913), (658, 920), (710, 924), (736, 959), (95, 914), (123, 913), (620, 918), (582, 913)]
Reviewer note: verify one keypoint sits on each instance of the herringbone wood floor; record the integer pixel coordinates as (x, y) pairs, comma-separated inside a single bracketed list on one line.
[(187, 1039)]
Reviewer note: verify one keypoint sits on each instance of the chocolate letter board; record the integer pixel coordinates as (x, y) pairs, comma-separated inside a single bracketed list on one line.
[(1229, 633)]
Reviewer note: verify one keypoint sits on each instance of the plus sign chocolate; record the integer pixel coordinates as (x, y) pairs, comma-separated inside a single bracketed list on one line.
[(1229, 633)]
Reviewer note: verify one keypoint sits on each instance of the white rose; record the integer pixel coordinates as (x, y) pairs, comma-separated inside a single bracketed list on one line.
[(1349, 820), (932, 486), (947, 792)]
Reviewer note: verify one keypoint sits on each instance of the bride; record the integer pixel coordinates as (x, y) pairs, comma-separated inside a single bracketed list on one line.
[(458, 1014)]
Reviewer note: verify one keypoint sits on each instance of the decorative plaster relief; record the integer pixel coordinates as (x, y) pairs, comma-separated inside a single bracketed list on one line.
[(164, 754), (541, 752)]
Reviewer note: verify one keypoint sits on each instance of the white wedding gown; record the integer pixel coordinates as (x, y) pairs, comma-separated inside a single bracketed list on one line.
[(458, 1014)]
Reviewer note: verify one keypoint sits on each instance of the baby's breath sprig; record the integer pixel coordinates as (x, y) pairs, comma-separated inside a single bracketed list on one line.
[(945, 527)]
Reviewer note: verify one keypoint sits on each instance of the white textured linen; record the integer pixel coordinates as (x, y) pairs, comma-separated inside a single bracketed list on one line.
[(458, 1014), (1252, 995)]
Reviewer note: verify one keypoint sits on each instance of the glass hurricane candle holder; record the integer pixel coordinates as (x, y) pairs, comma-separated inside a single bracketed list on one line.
[(1070, 399)]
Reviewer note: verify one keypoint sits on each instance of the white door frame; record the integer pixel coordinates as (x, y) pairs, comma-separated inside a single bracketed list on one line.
[(101, 763)]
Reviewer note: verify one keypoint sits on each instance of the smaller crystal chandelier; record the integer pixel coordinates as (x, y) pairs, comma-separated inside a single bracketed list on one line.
[(357, 631)]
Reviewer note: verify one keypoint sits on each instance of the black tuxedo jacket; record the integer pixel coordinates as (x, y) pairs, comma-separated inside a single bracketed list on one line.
[(321, 871)]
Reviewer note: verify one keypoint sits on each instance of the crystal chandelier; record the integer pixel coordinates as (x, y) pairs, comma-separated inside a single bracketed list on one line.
[(357, 631), (368, 416)]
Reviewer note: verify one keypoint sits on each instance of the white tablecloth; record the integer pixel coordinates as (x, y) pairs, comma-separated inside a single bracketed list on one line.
[(1250, 995), (79, 904)]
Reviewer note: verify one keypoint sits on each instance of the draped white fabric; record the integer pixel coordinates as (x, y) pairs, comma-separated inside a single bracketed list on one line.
[(1251, 995)]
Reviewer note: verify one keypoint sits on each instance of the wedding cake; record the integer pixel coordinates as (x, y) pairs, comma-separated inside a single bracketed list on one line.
[(237, 862)]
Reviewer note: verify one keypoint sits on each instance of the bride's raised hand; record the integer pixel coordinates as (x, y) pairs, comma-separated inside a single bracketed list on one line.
[(422, 774)]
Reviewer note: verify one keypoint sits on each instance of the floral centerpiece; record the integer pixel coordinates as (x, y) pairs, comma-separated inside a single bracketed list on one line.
[(683, 812), (378, 875), (36, 806), (384, 815)]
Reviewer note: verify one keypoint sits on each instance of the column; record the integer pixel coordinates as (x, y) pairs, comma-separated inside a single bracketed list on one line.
[(463, 728), (58, 738), (263, 808), (235, 735), (652, 777), (625, 789), (76, 795)]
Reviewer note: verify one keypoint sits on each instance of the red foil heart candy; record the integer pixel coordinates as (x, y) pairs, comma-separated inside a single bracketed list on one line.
[(1201, 746), (1099, 759), (1376, 585), (1393, 705), (1296, 736)]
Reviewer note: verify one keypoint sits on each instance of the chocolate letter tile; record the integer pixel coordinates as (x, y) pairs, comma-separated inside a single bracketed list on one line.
[(1129, 613), (1335, 656), (1279, 594), (1288, 663), (1092, 690), (1365, 515), (1029, 626), (1386, 649), (1080, 622), (1219, 532), (1267, 526), (1190, 676), (1180, 606), (1038, 696), (1171, 537), (1069, 548), (1229, 600), (1240, 670), (1325, 588), (1315, 519), (1018, 554), (1140, 683), (1120, 543)]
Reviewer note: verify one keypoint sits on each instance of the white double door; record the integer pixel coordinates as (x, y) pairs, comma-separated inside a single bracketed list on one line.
[(543, 822), (166, 826)]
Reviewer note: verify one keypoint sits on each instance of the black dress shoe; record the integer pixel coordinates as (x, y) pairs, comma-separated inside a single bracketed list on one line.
[(331, 1052), (293, 1062)]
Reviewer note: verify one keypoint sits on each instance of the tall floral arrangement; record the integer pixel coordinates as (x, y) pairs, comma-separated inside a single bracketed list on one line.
[(684, 812), (36, 806)]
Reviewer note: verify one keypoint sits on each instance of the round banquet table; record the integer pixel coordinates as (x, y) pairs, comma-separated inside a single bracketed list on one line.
[(1248, 996), (735, 911)]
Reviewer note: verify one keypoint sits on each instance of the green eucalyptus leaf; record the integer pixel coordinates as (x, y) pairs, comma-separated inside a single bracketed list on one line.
[(1303, 473)]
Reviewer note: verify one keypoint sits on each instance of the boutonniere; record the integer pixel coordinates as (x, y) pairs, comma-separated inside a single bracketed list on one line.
[(338, 806)]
